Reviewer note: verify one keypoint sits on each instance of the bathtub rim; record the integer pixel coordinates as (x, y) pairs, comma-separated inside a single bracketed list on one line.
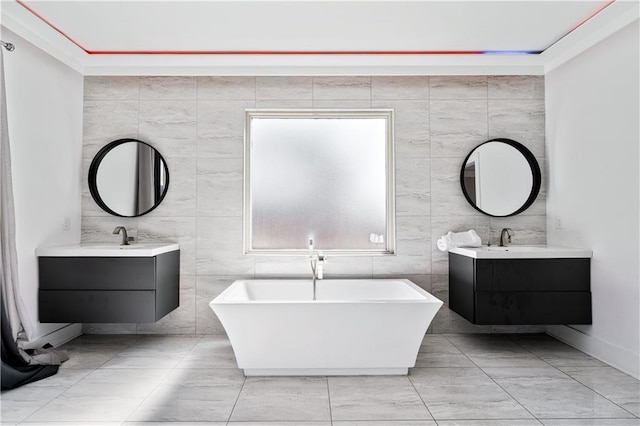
[(426, 296)]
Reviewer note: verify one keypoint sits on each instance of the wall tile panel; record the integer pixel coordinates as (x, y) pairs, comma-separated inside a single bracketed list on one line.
[(198, 125)]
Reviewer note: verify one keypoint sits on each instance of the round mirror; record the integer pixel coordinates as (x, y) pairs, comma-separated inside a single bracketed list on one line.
[(500, 177), (128, 178)]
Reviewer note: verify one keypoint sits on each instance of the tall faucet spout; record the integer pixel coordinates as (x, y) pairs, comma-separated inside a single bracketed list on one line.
[(317, 261), (313, 260), (508, 232), (314, 266), (125, 237)]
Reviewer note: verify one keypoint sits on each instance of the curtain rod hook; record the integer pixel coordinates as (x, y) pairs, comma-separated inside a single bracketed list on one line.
[(9, 46)]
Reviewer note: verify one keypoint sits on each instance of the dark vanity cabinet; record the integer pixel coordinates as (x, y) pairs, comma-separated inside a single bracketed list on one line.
[(108, 289), (520, 291)]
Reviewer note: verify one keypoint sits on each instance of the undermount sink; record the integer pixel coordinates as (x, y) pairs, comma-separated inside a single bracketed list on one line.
[(107, 250), (522, 252)]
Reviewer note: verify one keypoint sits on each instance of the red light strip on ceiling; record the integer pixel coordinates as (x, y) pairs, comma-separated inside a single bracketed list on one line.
[(594, 13), (46, 21), (285, 52), (579, 24), (24, 4)]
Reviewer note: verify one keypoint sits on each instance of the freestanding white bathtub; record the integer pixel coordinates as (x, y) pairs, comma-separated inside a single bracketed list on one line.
[(354, 327)]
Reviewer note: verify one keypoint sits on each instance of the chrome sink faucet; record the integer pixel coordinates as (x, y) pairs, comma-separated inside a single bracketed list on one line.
[(125, 237), (509, 233), (317, 262)]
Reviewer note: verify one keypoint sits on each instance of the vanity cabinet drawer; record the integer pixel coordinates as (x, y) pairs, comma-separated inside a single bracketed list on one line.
[(97, 273), (520, 291), (97, 306), (533, 308), (532, 275), (108, 289)]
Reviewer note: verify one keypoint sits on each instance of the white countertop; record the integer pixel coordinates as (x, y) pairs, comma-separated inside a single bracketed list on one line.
[(522, 252), (107, 250)]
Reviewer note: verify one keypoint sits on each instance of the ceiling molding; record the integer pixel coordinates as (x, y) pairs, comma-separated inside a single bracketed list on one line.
[(300, 65), (24, 24), (601, 26)]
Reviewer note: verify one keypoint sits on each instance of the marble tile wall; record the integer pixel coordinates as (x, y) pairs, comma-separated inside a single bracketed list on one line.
[(197, 124)]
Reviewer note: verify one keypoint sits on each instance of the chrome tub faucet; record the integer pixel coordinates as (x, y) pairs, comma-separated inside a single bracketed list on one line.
[(317, 261)]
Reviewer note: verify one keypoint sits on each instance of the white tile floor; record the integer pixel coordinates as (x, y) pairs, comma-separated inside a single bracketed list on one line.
[(501, 380)]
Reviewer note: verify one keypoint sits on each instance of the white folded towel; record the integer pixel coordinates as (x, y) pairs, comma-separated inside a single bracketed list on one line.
[(459, 239)]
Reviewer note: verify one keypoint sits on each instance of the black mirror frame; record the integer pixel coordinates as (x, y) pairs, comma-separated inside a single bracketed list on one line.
[(93, 172), (535, 171)]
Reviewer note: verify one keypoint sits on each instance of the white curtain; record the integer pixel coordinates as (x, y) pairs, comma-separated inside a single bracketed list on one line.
[(22, 327)]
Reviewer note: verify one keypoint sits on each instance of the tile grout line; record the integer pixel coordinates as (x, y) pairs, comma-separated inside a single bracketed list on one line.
[(421, 399), (531, 352), (495, 420), (429, 81), (491, 378), (137, 221), (329, 399), (371, 101), (25, 419), (195, 238), (430, 161), (169, 371), (92, 370), (244, 381), (244, 173), (593, 390), (510, 338)]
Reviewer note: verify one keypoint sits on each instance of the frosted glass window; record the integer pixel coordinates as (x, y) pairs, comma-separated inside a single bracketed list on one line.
[(326, 175)]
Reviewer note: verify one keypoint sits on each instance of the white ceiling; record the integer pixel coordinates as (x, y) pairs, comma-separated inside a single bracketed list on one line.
[(152, 26), (240, 37)]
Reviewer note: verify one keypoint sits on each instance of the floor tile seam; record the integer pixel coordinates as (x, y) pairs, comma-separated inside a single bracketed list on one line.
[(91, 371), (160, 382), (244, 381), (500, 354), (9, 402), (110, 358), (592, 389), (633, 416), (329, 400), (519, 345), (501, 419), (135, 338), (462, 352), (206, 368), (365, 420), (457, 368), (587, 418), (107, 360), (41, 407), (531, 352), (93, 348), (153, 352), (175, 367), (143, 400), (598, 393), (511, 396), (421, 399), (599, 366), (40, 384), (491, 378), (199, 339)]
